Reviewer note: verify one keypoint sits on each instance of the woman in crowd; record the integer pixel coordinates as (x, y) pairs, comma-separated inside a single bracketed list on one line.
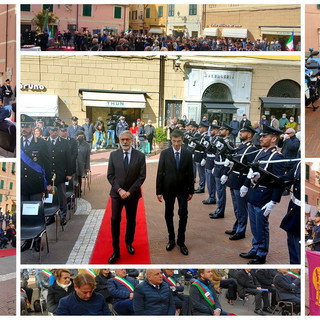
[(61, 288), (38, 133), (143, 138), (99, 137), (101, 283), (134, 131)]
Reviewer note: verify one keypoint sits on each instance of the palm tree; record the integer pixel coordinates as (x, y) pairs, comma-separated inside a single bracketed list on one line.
[(40, 19)]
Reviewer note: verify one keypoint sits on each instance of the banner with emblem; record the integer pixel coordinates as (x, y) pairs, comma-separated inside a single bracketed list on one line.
[(314, 282)]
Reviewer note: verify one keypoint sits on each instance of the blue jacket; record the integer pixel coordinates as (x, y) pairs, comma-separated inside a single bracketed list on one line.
[(73, 305), (148, 300), (119, 291)]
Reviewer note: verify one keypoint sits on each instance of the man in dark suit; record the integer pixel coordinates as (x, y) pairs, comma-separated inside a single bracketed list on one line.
[(126, 174), (175, 180), (61, 164)]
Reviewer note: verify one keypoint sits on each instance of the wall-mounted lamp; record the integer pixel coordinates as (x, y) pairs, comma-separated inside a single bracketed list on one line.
[(177, 64)]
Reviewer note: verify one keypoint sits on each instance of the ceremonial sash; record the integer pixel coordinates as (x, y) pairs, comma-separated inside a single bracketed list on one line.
[(125, 282), (293, 274), (205, 292), (91, 272), (170, 280), (47, 272), (34, 166)]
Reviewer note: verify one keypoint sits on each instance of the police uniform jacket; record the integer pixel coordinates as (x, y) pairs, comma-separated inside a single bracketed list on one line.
[(210, 154), (199, 149), (262, 195), (60, 156), (245, 153), (219, 168), (32, 182), (285, 287), (291, 221), (119, 291), (72, 130)]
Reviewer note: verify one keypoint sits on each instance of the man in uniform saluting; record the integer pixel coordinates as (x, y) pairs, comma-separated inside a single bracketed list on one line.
[(262, 199), (60, 155)]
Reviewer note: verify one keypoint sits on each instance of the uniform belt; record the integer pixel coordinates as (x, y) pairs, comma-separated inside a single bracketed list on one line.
[(237, 172), (295, 200), (211, 155), (263, 187), (219, 162), (198, 151)]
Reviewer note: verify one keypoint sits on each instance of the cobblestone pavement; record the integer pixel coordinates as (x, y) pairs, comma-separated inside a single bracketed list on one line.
[(8, 286), (205, 238)]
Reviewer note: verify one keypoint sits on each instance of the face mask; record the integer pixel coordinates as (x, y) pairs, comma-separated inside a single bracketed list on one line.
[(291, 120), (283, 117)]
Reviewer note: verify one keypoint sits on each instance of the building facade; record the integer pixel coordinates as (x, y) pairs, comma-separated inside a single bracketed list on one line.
[(312, 26), (8, 187), (8, 43), (184, 20), (80, 17), (160, 87), (253, 21), (312, 191)]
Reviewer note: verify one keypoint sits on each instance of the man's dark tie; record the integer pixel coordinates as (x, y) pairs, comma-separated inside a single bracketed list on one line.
[(177, 159), (53, 142), (26, 143), (126, 161)]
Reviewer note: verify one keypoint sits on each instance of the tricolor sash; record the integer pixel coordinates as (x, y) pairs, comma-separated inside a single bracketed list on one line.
[(125, 282), (205, 292), (169, 280), (293, 274), (34, 166), (46, 272), (91, 272)]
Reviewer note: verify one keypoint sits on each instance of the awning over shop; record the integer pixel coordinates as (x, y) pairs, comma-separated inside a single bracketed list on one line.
[(35, 105), (281, 103), (210, 32), (113, 100), (220, 107), (281, 31), (155, 30), (234, 33)]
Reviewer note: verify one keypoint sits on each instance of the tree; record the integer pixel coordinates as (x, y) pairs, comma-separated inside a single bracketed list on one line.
[(40, 19)]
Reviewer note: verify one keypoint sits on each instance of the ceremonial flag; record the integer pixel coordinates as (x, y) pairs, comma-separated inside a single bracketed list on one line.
[(289, 43), (314, 282)]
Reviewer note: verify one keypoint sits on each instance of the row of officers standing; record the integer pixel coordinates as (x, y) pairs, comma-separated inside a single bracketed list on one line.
[(56, 161), (257, 178)]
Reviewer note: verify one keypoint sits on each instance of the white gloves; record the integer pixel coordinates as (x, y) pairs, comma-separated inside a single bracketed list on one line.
[(268, 207), (309, 242), (228, 163), (254, 176), (243, 191), (223, 179), (285, 136), (219, 145), (203, 162)]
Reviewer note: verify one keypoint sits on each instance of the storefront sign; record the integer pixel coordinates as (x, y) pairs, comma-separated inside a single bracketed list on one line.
[(31, 86), (227, 25), (219, 75)]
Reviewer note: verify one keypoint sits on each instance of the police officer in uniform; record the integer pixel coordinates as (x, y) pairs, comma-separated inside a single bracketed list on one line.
[(60, 154), (210, 156), (291, 222), (262, 199), (35, 163), (199, 155), (190, 134), (245, 153), (219, 171), (74, 128)]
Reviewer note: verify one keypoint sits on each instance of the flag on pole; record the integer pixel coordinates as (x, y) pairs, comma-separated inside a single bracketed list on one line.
[(289, 43), (314, 282)]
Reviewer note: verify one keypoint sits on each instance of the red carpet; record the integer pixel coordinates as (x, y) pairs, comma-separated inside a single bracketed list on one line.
[(103, 247), (7, 252)]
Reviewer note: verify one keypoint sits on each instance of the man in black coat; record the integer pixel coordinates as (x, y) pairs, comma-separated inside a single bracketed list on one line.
[(248, 283), (175, 180), (265, 278), (126, 174), (61, 164)]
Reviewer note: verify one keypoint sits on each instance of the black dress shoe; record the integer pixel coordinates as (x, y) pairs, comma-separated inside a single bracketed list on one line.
[(268, 310), (184, 250), (237, 236), (130, 249), (50, 220), (37, 244), (113, 259), (26, 245), (217, 216), (170, 245), (199, 190), (231, 232), (259, 312), (257, 260), (209, 201), (248, 255)]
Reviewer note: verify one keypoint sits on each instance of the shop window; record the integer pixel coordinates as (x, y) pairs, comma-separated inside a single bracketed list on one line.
[(192, 9), (25, 7), (117, 12), (87, 10)]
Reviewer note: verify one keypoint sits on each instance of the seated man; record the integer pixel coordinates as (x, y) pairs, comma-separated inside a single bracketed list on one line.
[(203, 298), (181, 300), (265, 278), (84, 300), (220, 280), (248, 283), (153, 296), (294, 276), (121, 289), (287, 290)]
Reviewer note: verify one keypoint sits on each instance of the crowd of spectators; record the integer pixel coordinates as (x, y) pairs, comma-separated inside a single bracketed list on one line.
[(158, 292)]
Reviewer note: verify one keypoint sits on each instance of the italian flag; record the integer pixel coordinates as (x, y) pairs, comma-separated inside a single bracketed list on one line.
[(289, 43)]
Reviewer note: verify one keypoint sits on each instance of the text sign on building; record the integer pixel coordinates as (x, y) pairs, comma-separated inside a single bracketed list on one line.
[(222, 75), (31, 86)]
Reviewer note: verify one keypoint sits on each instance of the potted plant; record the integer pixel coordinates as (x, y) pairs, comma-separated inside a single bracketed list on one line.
[(160, 138)]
